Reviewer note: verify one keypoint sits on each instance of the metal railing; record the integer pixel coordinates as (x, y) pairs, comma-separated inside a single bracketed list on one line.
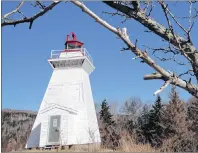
[(56, 53)]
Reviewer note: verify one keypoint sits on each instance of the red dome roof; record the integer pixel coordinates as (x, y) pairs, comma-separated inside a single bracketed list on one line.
[(73, 40)]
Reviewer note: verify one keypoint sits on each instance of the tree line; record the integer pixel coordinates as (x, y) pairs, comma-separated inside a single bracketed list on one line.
[(167, 127), (171, 126)]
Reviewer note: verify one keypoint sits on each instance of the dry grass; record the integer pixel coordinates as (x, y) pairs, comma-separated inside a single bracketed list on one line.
[(127, 145)]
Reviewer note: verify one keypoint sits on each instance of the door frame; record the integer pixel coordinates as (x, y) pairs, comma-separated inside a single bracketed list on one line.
[(53, 143)]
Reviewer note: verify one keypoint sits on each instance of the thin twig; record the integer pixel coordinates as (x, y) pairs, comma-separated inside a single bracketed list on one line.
[(162, 88), (31, 19), (171, 14), (14, 11), (187, 72)]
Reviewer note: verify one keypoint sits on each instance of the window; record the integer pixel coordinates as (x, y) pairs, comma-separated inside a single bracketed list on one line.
[(54, 122), (71, 46)]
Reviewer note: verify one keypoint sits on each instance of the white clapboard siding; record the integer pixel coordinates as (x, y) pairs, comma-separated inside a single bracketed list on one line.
[(44, 132), (64, 129)]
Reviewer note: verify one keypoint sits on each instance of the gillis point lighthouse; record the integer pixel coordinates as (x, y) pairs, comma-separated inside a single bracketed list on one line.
[(67, 113)]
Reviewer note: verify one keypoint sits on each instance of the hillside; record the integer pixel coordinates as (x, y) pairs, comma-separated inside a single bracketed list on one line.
[(15, 128)]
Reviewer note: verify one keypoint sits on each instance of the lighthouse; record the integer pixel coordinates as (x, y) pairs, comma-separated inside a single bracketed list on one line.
[(67, 113)]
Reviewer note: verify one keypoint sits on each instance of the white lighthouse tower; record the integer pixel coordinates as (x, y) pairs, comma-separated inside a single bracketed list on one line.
[(67, 113)]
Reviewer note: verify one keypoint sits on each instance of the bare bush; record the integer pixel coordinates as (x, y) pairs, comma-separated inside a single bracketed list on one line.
[(132, 107)]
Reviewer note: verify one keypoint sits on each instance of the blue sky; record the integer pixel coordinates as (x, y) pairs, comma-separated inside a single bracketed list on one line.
[(26, 72)]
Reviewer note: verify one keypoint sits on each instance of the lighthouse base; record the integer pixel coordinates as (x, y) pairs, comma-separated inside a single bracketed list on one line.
[(84, 147), (67, 113)]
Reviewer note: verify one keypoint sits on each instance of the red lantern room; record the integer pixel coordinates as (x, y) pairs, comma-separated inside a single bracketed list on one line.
[(73, 54), (73, 43)]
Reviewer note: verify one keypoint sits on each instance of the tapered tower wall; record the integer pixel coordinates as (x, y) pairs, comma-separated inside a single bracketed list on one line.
[(68, 95)]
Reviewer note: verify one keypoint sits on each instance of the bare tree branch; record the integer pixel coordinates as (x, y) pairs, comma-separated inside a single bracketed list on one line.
[(40, 5), (162, 88), (184, 46), (187, 72), (30, 19), (150, 10), (14, 11), (147, 6), (153, 76), (165, 7), (169, 50), (166, 76), (123, 49)]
